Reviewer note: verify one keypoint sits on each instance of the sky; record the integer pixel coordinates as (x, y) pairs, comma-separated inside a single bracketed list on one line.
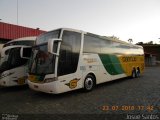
[(138, 20)]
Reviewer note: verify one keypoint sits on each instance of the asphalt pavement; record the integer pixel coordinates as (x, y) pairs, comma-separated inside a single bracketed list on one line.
[(140, 96)]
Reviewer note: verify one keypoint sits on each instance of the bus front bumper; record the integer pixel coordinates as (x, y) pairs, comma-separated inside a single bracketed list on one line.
[(44, 87)]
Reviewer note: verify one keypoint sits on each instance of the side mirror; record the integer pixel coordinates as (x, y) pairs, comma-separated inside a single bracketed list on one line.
[(26, 52), (53, 46)]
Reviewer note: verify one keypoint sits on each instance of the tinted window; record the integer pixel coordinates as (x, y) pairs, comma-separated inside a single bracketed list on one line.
[(91, 44), (15, 59), (121, 48), (12, 60), (46, 36), (106, 46), (28, 43), (69, 52), (137, 50), (27, 52), (96, 44)]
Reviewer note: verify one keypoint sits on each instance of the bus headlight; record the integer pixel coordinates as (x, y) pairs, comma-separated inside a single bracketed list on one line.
[(47, 80)]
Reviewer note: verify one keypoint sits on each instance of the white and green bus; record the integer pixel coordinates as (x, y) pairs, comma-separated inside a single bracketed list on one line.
[(13, 66), (67, 59)]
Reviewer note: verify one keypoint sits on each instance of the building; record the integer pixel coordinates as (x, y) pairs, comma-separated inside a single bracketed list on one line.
[(152, 54), (10, 31)]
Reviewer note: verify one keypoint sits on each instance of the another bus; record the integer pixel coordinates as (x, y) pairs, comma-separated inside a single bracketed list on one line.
[(67, 59), (13, 66)]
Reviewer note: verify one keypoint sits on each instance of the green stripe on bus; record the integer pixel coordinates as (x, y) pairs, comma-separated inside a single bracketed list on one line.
[(111, 64)]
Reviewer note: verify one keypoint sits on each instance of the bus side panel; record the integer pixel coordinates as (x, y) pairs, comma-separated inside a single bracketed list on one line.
[(129, 62), (88, 63), (69, 82), (104, 67), (13, 77), (112, 66), (91, 63)]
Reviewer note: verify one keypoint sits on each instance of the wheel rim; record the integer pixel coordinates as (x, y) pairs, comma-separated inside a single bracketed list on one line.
[(133, 74), (89, 83), (138, 74)]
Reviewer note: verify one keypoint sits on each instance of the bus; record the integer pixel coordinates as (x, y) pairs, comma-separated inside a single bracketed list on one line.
[(13, 66), (66, 59)]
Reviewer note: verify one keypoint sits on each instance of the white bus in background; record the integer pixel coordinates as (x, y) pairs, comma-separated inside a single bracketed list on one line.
[(68, 59), (13, 66), (1, 46)]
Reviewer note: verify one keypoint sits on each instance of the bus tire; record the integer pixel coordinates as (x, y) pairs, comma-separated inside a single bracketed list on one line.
[(134, 73), (89, 82), (138, 72)]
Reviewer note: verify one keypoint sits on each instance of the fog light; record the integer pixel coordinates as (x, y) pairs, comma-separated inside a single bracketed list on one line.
[(4, 82), (47, 80), (35, 86)]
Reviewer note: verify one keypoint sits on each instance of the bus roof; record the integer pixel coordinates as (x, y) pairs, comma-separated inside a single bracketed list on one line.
[(31, 38), (103, 37)]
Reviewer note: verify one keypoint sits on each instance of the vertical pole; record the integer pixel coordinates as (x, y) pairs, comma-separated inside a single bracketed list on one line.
[(17, 12)]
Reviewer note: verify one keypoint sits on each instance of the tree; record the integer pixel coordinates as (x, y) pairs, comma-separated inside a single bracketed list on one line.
[(130, 40), (139, 43), (150, 42)]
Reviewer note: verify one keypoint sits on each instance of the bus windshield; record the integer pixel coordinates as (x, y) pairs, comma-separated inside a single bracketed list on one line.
[(11, 59), (42, 62)]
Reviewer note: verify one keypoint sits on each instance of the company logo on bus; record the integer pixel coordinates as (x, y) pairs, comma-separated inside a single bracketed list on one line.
[(90, 60), (128, 59), (73, 83)]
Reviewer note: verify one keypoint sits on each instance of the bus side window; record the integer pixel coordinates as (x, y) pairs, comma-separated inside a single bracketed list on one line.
[(65, 60), (27, 52), (69, 53), (15, 59)]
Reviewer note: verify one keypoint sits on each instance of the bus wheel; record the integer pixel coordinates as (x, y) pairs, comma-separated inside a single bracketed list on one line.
[(134, 73), (89, 83), (138, 72)]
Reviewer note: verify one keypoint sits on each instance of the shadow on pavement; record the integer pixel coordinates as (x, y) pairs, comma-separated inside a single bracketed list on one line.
[(79, 92), (13, 88)]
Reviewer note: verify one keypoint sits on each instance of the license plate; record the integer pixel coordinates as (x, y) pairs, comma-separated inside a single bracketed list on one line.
[(21, 81)]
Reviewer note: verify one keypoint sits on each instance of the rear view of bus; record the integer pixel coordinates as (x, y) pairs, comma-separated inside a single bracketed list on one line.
[(13, 62)]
